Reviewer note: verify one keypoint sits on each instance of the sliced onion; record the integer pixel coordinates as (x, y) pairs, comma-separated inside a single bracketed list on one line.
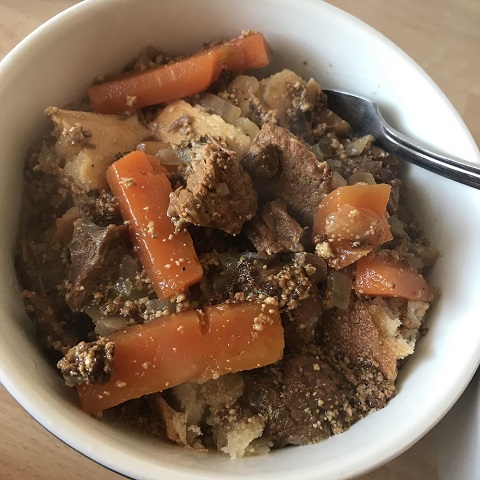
[(93, 311), (150, 148), (168, 156), (108, 325), (359, 145), (158, 305), (337, 180), (163, 151), (129, 267), (124, 287), (226, 110), (339, 288), (414, 262), (361, 177), (396, 225), (248, 127), (318, 152), (222, 189)]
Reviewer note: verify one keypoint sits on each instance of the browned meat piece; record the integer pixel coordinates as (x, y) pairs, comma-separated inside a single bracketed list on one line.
[(99, 207), (300, 323), (54, 325), (88, 362), (283, 285), (302, 398), (96, 254), (274, 230), (301, 180), (218, 192), (307, 396)]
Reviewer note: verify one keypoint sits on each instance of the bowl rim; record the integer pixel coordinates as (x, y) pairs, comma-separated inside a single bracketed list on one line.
[(38, 410)]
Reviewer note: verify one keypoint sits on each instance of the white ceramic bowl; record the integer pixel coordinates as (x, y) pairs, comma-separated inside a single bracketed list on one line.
[(54, 66)]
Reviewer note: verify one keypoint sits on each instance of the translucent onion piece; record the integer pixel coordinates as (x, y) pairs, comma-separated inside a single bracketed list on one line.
[(359, 145), (339, 288), (124, 287), (318, 152), (414, 262), (361, 177), (108, 325), (396, 226), (226, 110), (93, 311), (158, 305), (248, 127), (129, 267), (337, 180), (163, 151), (222, 189)]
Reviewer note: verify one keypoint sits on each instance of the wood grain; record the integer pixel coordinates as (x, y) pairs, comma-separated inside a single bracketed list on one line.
[(443, 36)]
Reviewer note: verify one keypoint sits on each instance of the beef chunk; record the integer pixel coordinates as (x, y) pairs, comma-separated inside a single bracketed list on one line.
[(301, 180), (282, 285), (274, 230), (96, 254), (218, 192), (99, 207), (300, 323), (88, 362), (308, 396), (302, 398), (232, 277)]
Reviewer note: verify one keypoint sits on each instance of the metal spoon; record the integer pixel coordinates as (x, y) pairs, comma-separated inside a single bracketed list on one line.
[(365, 118)]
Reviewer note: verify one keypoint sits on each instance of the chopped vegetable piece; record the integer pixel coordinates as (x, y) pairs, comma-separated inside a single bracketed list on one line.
[(381, 276), (190, 346), (353, 220), (142, 188), (179, 79)]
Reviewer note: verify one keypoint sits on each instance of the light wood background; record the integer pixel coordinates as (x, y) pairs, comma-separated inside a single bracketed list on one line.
[(443, 36)]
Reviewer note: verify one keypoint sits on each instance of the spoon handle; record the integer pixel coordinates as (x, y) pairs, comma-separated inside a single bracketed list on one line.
[(459, 170)]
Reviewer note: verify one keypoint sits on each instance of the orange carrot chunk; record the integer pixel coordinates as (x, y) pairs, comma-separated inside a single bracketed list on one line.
[(142, 188), (178, 79), (190, 346), (353, 220), (377, 275)]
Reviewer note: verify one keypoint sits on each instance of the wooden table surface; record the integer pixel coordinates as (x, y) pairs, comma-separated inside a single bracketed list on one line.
[(443, 36)]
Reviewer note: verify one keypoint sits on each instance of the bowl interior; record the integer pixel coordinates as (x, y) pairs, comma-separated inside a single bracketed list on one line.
[(56, 64)]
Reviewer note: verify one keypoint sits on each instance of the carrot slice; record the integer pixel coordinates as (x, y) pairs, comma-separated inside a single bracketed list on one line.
[(190, 346), (353, 220), (380, 276), (142, 188), (179, 79)]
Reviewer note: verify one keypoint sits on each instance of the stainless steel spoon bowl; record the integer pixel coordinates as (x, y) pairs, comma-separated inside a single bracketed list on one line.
[(365, 118)]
